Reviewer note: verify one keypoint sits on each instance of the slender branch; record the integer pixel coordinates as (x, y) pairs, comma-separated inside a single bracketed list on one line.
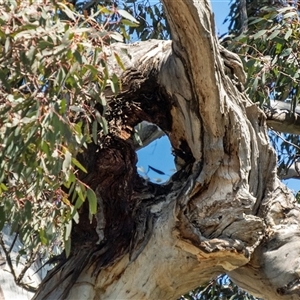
[(13, 242), (281, 118), (18, 279), (27, 265), (243, 16), (292, 170), (284, 140), (8, 257)]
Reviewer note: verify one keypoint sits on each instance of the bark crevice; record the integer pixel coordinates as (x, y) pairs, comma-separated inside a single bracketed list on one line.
[(222, 211)]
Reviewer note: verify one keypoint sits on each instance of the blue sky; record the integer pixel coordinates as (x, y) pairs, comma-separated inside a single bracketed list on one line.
[(221, 10), (158, 154)]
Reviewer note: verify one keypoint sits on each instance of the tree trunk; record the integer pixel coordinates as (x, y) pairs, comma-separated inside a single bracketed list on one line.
[(223, 211)]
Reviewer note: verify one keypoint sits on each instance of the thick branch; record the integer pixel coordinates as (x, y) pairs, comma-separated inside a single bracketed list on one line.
[(224, 210), (293, 172), (193, 36), (281, 118)]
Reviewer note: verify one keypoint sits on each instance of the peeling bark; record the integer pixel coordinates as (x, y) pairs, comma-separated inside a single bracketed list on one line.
[(223, 211)]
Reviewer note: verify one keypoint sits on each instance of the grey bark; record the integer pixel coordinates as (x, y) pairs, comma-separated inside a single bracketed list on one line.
[(293, 171), (224, 211), (282, 118), (243, 16)]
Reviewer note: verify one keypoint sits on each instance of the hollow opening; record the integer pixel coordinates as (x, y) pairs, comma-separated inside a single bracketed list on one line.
[(155, 160)]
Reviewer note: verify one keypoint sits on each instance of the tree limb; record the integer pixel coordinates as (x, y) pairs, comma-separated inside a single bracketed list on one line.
[(280, 117)]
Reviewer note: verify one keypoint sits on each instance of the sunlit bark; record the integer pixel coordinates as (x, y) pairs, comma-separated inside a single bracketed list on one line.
[(282, 118), (223, 211)]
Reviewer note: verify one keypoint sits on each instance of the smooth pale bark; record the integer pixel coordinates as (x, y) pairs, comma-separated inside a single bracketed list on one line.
[(223, 211), (292, 172), (281, 118)]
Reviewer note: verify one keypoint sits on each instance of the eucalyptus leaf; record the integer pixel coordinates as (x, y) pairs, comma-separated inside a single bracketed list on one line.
[(127, 15)]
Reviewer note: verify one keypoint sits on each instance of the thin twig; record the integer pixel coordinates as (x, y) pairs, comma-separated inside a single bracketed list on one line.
[(13, 242), (27, 265), (7, 256), (18, 280), (286, 141), (293, 160)]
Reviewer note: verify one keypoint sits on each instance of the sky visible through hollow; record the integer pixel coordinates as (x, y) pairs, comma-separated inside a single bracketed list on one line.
[(158, 154)]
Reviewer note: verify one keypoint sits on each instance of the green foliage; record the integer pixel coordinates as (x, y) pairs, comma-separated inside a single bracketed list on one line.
[(152, 20), (253, 8), (52, 75), (298, 197), (121, 17), (270, 53), (269, 48)]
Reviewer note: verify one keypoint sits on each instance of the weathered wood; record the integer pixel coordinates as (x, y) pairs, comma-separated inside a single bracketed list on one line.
[(223, 211)]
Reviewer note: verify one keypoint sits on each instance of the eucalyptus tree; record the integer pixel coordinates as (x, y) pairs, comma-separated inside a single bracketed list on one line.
[(70, 101), (265, 34)]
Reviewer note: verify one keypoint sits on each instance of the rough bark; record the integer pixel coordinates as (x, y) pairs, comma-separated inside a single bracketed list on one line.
[(223, 211)]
